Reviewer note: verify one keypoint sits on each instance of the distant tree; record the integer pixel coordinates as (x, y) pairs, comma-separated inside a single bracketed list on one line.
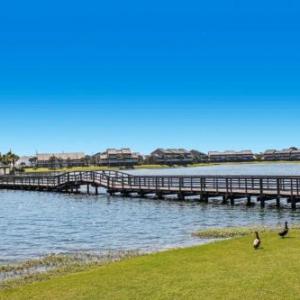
[(60, 162), (52, 162), (87, 160), (33, 161)]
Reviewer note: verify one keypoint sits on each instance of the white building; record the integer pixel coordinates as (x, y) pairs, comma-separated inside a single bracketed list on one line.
[(25, 161), (4, 169)]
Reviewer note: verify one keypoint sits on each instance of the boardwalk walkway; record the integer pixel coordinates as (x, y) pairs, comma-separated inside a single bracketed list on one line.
[(263, 188)]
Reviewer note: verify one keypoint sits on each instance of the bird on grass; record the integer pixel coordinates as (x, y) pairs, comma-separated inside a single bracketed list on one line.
[(285, 231), (257, 241)]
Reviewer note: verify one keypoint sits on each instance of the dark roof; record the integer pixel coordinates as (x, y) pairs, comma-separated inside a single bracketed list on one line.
[(172, 151), (47, 156), (283, 151), (230, 152)]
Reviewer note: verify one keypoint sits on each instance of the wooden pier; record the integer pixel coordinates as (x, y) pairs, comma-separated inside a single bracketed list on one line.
[(230, 188)]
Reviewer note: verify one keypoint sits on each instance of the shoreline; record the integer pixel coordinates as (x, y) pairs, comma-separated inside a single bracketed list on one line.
[(154, 167), (37, 269), (177, 273)]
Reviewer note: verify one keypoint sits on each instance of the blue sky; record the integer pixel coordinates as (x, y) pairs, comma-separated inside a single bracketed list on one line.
[(210, 75)]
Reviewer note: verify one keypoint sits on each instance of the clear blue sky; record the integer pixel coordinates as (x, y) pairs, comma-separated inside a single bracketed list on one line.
[(210, 75)]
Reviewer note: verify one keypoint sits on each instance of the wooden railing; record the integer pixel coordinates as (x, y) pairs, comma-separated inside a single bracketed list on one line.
[(115, 180), (230, 184)]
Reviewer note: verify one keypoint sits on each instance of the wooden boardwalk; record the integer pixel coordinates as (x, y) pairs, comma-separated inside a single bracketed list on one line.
[(262, 188)]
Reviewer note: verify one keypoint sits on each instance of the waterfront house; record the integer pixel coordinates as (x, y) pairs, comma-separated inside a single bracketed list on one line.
[(172, 156), (117, 157), (284, 154), (269, 154), (199, 157), (231, 156), (4, 169), (295, 154), (58, 160)]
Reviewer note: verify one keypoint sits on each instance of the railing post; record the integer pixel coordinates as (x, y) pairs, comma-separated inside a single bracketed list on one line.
[(261, 191), (180, 183), (278, 192), (227, 187)]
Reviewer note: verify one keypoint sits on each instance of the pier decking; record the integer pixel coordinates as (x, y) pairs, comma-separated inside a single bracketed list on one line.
[(262, 188)]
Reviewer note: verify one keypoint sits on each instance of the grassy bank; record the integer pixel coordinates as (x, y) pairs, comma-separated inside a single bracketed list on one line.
[(73, 169), (229, 269), (228, 232), (100, 168), (90, 168)]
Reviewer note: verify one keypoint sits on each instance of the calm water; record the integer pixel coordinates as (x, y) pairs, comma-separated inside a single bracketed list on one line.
[(33, 224)]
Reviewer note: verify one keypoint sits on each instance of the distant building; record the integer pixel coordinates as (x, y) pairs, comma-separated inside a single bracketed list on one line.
[(4, 169), (171, 156), (284, 154), (26, 161), (58, 160), (199, 157), (295, 154), (231, 156), (117, 157)]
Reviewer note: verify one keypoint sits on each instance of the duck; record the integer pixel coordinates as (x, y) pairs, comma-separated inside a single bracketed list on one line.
[(285, 231), (257, 241)]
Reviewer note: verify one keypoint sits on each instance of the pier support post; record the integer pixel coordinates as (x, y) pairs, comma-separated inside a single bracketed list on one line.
[(88, 189), (159, 196), (180, 196), (231, 200), (225, 199), (96, 190), (278, 202), (293, 202), (125, 194), (262, 202), (203, 198), (249, 203)]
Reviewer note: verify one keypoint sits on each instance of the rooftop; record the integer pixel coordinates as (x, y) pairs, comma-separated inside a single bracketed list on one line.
[(172, 150), (230, 152), (64, 156)]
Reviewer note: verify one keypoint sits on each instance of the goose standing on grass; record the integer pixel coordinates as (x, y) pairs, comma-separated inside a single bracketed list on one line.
[(257, 241), (285, 231)]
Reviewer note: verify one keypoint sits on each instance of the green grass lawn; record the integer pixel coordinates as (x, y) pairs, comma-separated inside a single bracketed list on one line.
[(73, 169), (229, 269), (100, 168)]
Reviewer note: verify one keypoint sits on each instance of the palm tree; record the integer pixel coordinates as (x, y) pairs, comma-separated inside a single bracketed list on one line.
[(10, 158)]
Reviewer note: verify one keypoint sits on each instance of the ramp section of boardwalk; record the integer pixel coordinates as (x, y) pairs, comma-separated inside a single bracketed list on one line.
[(263, 188)]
